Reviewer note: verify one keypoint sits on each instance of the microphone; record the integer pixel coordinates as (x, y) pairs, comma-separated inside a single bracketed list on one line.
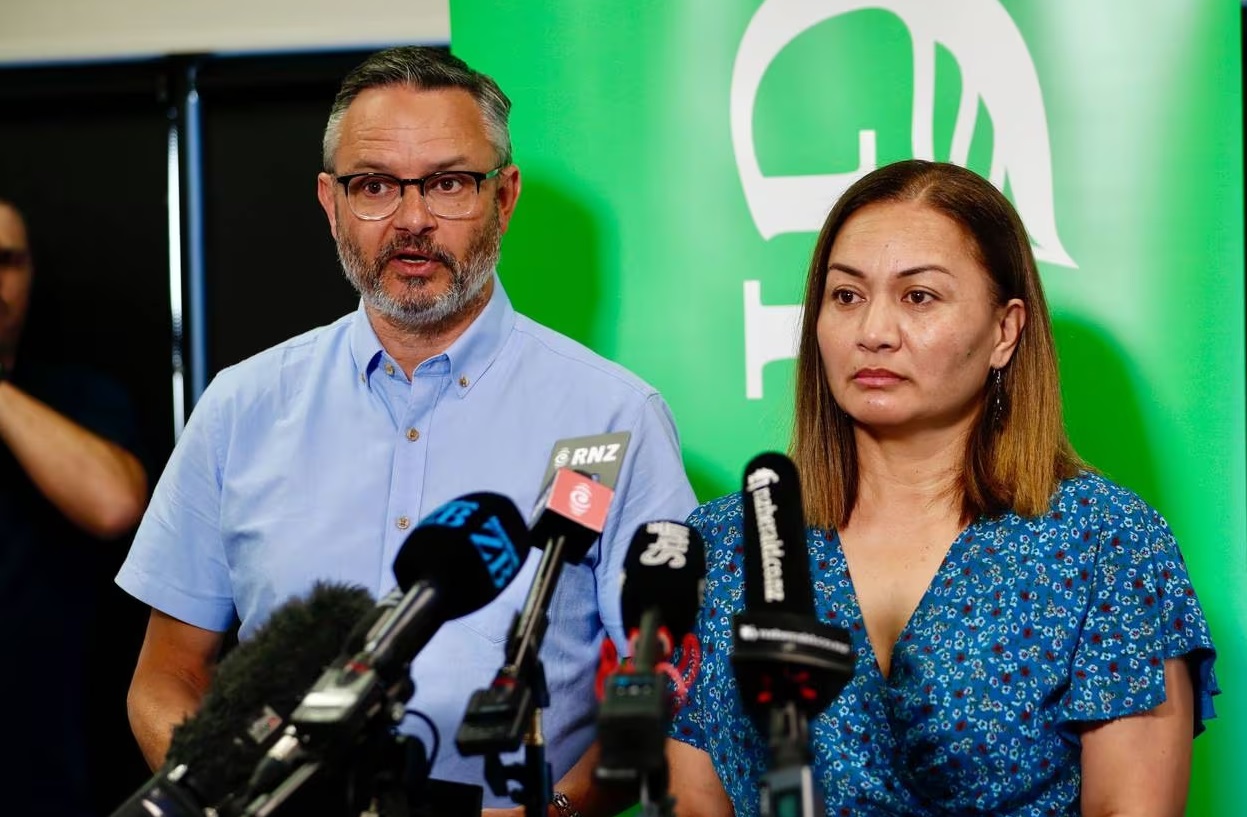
[(661, 592), (782, 654), (457, 560), (572, 514), (255, 688), (788, 664), (507, 712)]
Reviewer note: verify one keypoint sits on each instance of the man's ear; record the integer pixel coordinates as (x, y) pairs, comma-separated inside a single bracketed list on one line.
[(508, 194), (325, 185)]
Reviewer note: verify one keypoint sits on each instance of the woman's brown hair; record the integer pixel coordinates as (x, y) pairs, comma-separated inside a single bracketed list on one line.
[(1015, 455)]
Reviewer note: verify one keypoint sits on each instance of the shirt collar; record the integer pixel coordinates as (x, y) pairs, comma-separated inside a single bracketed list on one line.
[(466, 360)]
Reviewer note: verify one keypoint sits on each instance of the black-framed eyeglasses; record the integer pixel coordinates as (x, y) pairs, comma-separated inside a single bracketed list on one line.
[(446, 193), (13, 257)]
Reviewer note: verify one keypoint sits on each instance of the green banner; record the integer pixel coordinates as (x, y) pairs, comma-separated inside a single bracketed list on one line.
[(678, 158)]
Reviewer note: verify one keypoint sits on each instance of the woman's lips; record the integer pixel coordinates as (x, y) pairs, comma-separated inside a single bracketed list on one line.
[(876, 377)]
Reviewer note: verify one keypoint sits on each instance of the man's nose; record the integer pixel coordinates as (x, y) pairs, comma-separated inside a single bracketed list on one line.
[(413, 212)]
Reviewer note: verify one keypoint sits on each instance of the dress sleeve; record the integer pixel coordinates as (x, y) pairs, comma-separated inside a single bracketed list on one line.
[(1142, 611), (688, 723)]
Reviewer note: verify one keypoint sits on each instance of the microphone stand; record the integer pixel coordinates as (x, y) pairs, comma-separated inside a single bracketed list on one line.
[(378, 772), (787, 788), (507, 713), (632, 724), (533, 775)]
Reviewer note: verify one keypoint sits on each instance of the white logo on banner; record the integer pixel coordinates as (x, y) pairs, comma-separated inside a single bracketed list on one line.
[(996, 69)]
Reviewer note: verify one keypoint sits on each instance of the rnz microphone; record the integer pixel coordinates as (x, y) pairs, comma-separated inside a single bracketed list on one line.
[(662, 583), (571, 515), (457, 560), (788, 664), (255, 688)]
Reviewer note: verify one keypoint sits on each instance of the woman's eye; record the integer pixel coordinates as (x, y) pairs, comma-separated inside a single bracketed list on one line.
[(844, 296), (919, 297)]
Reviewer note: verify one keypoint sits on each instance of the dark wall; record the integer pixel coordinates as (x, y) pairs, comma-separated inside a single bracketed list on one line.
[(272, 271), (84, 153)]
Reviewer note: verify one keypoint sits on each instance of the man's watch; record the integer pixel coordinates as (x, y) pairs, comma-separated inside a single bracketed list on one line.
[(562, 805)]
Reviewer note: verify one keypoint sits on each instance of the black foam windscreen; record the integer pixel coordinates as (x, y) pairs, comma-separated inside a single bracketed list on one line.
[(259, 683), (777, 570), (473, 546), (665, 568), (783, 656)]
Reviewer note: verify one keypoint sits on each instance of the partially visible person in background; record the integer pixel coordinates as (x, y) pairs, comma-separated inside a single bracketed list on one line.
[(69, 483)]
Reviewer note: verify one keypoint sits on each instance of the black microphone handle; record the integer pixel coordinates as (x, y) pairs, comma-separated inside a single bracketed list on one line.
[(530, 627), (404, 632), (160, 793), (648, 644)]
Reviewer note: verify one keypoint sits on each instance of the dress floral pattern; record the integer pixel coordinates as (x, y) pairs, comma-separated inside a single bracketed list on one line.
[(1029, 627)]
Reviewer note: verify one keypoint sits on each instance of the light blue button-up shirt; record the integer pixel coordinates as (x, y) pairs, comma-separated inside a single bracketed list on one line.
[(314, 460)]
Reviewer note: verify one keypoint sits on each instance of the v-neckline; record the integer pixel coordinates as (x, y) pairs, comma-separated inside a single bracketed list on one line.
[(954, 554)]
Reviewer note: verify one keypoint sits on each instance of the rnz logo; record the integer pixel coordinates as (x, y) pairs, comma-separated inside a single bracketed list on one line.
[(580, 500), (591, 455), (996, 70)]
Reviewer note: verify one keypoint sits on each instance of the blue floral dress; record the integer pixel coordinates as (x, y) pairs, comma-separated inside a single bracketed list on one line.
[(1029, 627)]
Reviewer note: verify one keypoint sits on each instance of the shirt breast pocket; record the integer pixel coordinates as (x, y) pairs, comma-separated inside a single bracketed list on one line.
[(493, 621)]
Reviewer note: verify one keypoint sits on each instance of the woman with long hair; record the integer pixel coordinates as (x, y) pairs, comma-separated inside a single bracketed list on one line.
[(1026, 638)]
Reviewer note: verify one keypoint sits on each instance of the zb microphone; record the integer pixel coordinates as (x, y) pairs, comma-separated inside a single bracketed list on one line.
[(663, 579), (788, 664), (254, 690), (457, 560)]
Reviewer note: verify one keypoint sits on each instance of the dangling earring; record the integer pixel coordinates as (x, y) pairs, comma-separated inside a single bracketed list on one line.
[(998, 400)]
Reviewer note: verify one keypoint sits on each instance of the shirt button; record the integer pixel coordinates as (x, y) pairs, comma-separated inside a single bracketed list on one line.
[(413, 435), (402, 523), (463, 381), (389, 369)]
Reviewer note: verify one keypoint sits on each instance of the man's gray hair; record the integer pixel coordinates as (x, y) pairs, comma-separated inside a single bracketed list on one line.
[(428, 69)]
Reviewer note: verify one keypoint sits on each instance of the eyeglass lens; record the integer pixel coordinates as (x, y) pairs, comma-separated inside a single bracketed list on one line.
[(446, 194)]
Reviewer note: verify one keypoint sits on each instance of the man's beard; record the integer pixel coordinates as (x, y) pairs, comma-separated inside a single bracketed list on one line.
[(415, 308)]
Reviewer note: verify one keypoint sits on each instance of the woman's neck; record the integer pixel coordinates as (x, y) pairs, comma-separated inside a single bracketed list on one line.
[(919, 473)]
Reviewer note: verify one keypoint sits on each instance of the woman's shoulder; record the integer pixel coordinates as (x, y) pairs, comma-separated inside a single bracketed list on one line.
[(724, 509), (1096, 498)]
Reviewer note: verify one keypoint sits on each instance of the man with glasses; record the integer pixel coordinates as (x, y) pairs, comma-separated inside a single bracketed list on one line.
[(67, 482), (314, 459)]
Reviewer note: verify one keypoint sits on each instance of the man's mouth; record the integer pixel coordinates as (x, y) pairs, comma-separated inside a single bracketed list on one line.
[(411, 257)]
